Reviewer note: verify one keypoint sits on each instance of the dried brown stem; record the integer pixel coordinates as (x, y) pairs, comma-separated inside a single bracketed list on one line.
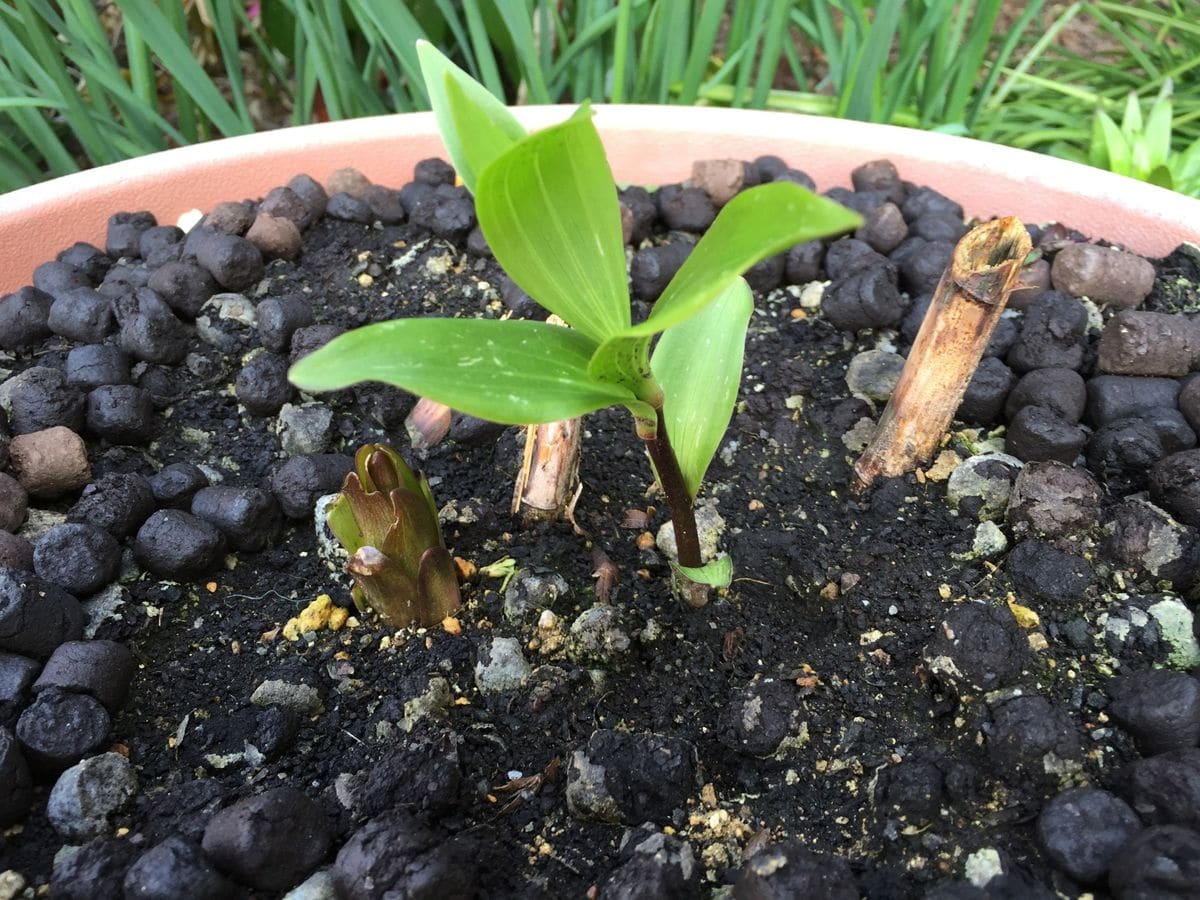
[(965, 309), (549, 470)]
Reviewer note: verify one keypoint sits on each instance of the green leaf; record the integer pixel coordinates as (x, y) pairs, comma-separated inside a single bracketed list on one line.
[(1158, 130), (475, 126), (548, 208), (699, 366), (755, 224), (717, 573), (625, 360), (514, 372)]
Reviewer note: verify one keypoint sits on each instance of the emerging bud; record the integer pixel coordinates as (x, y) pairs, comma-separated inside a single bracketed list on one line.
[(386, 519)]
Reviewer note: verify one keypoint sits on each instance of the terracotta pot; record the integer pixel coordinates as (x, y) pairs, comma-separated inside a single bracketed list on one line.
[(647, 144)]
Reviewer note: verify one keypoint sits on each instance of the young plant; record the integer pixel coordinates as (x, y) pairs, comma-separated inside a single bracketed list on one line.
[(386, 519), (548, 207)]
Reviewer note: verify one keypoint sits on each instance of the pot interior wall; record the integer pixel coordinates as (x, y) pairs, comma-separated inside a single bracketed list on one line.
[(650, 145)]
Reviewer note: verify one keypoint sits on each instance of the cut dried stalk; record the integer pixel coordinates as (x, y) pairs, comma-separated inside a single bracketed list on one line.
[(427, 423), (965, 309), (547, 484), (549, 470)]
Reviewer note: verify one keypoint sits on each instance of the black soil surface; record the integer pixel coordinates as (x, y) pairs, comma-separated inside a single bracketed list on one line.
[(805, 703)]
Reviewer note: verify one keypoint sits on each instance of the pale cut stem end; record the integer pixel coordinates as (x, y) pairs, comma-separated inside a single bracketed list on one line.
[(966, 306), (427, 423), (549, 475)]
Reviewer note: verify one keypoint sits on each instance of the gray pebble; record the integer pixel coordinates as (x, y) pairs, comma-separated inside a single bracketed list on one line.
[(174, 484), (1160, 863), (790, 869), (93, 365), (175, 544), (262, 385), (1159, 707), (1175, 485), (81, 314), (278, 319), (184, 286), (124, 234), (978, 647), (1052, 334), (88, 794), (120, 414), (307, 428), (103, 669), (176, 867), (501, 667), (36, 616), (300, 481), (1114, 397), (396, 855), (40, 398), (1082, 829), (301, 699), (23, 318), (17, 674), (248, 517), (149, 329), (1149, 343), (270, 841), (234, 263), (872, 374), (1062, 391), (118, 504), (79, 558), (59, 729), (13, 503), (16, 784), (1052, 500), (1102, 274), (57, 276)]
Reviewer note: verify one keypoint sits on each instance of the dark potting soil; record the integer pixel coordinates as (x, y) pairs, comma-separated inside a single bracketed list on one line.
[(903, 693)]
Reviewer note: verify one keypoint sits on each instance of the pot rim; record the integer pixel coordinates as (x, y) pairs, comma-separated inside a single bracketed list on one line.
[(644, 146)]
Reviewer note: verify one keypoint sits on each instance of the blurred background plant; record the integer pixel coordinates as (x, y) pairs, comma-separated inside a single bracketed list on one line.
[(86, 83)]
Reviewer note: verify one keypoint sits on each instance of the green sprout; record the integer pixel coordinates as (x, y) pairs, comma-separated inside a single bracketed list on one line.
[(1140, 147), (548, 207), (386, 519)]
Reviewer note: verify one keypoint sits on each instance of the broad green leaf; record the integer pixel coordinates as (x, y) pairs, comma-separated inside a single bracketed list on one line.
[(1114, 144), (475, 126), (1131, 123), (718, 573), (755, 224), (625, 360), (513, 372), (1158, 130), (699, 366), (548, 208)]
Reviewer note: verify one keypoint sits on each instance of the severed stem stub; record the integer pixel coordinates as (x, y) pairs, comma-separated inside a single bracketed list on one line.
[(965, 309), (549, 472)]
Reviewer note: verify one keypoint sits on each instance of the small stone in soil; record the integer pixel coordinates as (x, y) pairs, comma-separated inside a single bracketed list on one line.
[(1159, 707), (1083, 828), (93, 365), (262, 385), (302, 480), (803, 262), (88, 794), (867, 298), (653, 864), (40, 398), (1121, 453), (120, 414), (790, 869), (847, 255), (96, 870), (175, 484), (1037, 434), (1162, 863), (307, 428), (270, 841), (350, 181), (938, 227), (23, 318), (883, 228), (248, 516), (82, 315), (921, 263), (16, 784), (36, 616), (981, 485), (1063, 391), (630, 778), (1029, 739), (501, 667), (1052, 334), (685, 208), (1174, 485), (926, 200), (424, 774), (309, 338), (873, 374), (57, 276), (13, 503), (1034, 279), (1145, 538), (1165, 789), (759, 717), (1052, 500), (301, 699), (184, 286), (177, 867), (1114, 397), (1148, 343), (1102, 274), (397, 855), (1040, 571), (278, 319), (103, 669), (234, 263), (79, 558), (275, 729), (149, 329), (978, 647), (59, 729), (17, 674), (175, 544), (15, 552), (654, 267), (89, 259), (116, 503), (986, 392)]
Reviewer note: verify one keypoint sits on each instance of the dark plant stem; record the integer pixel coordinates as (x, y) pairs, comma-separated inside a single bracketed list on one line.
[(687, 538)]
